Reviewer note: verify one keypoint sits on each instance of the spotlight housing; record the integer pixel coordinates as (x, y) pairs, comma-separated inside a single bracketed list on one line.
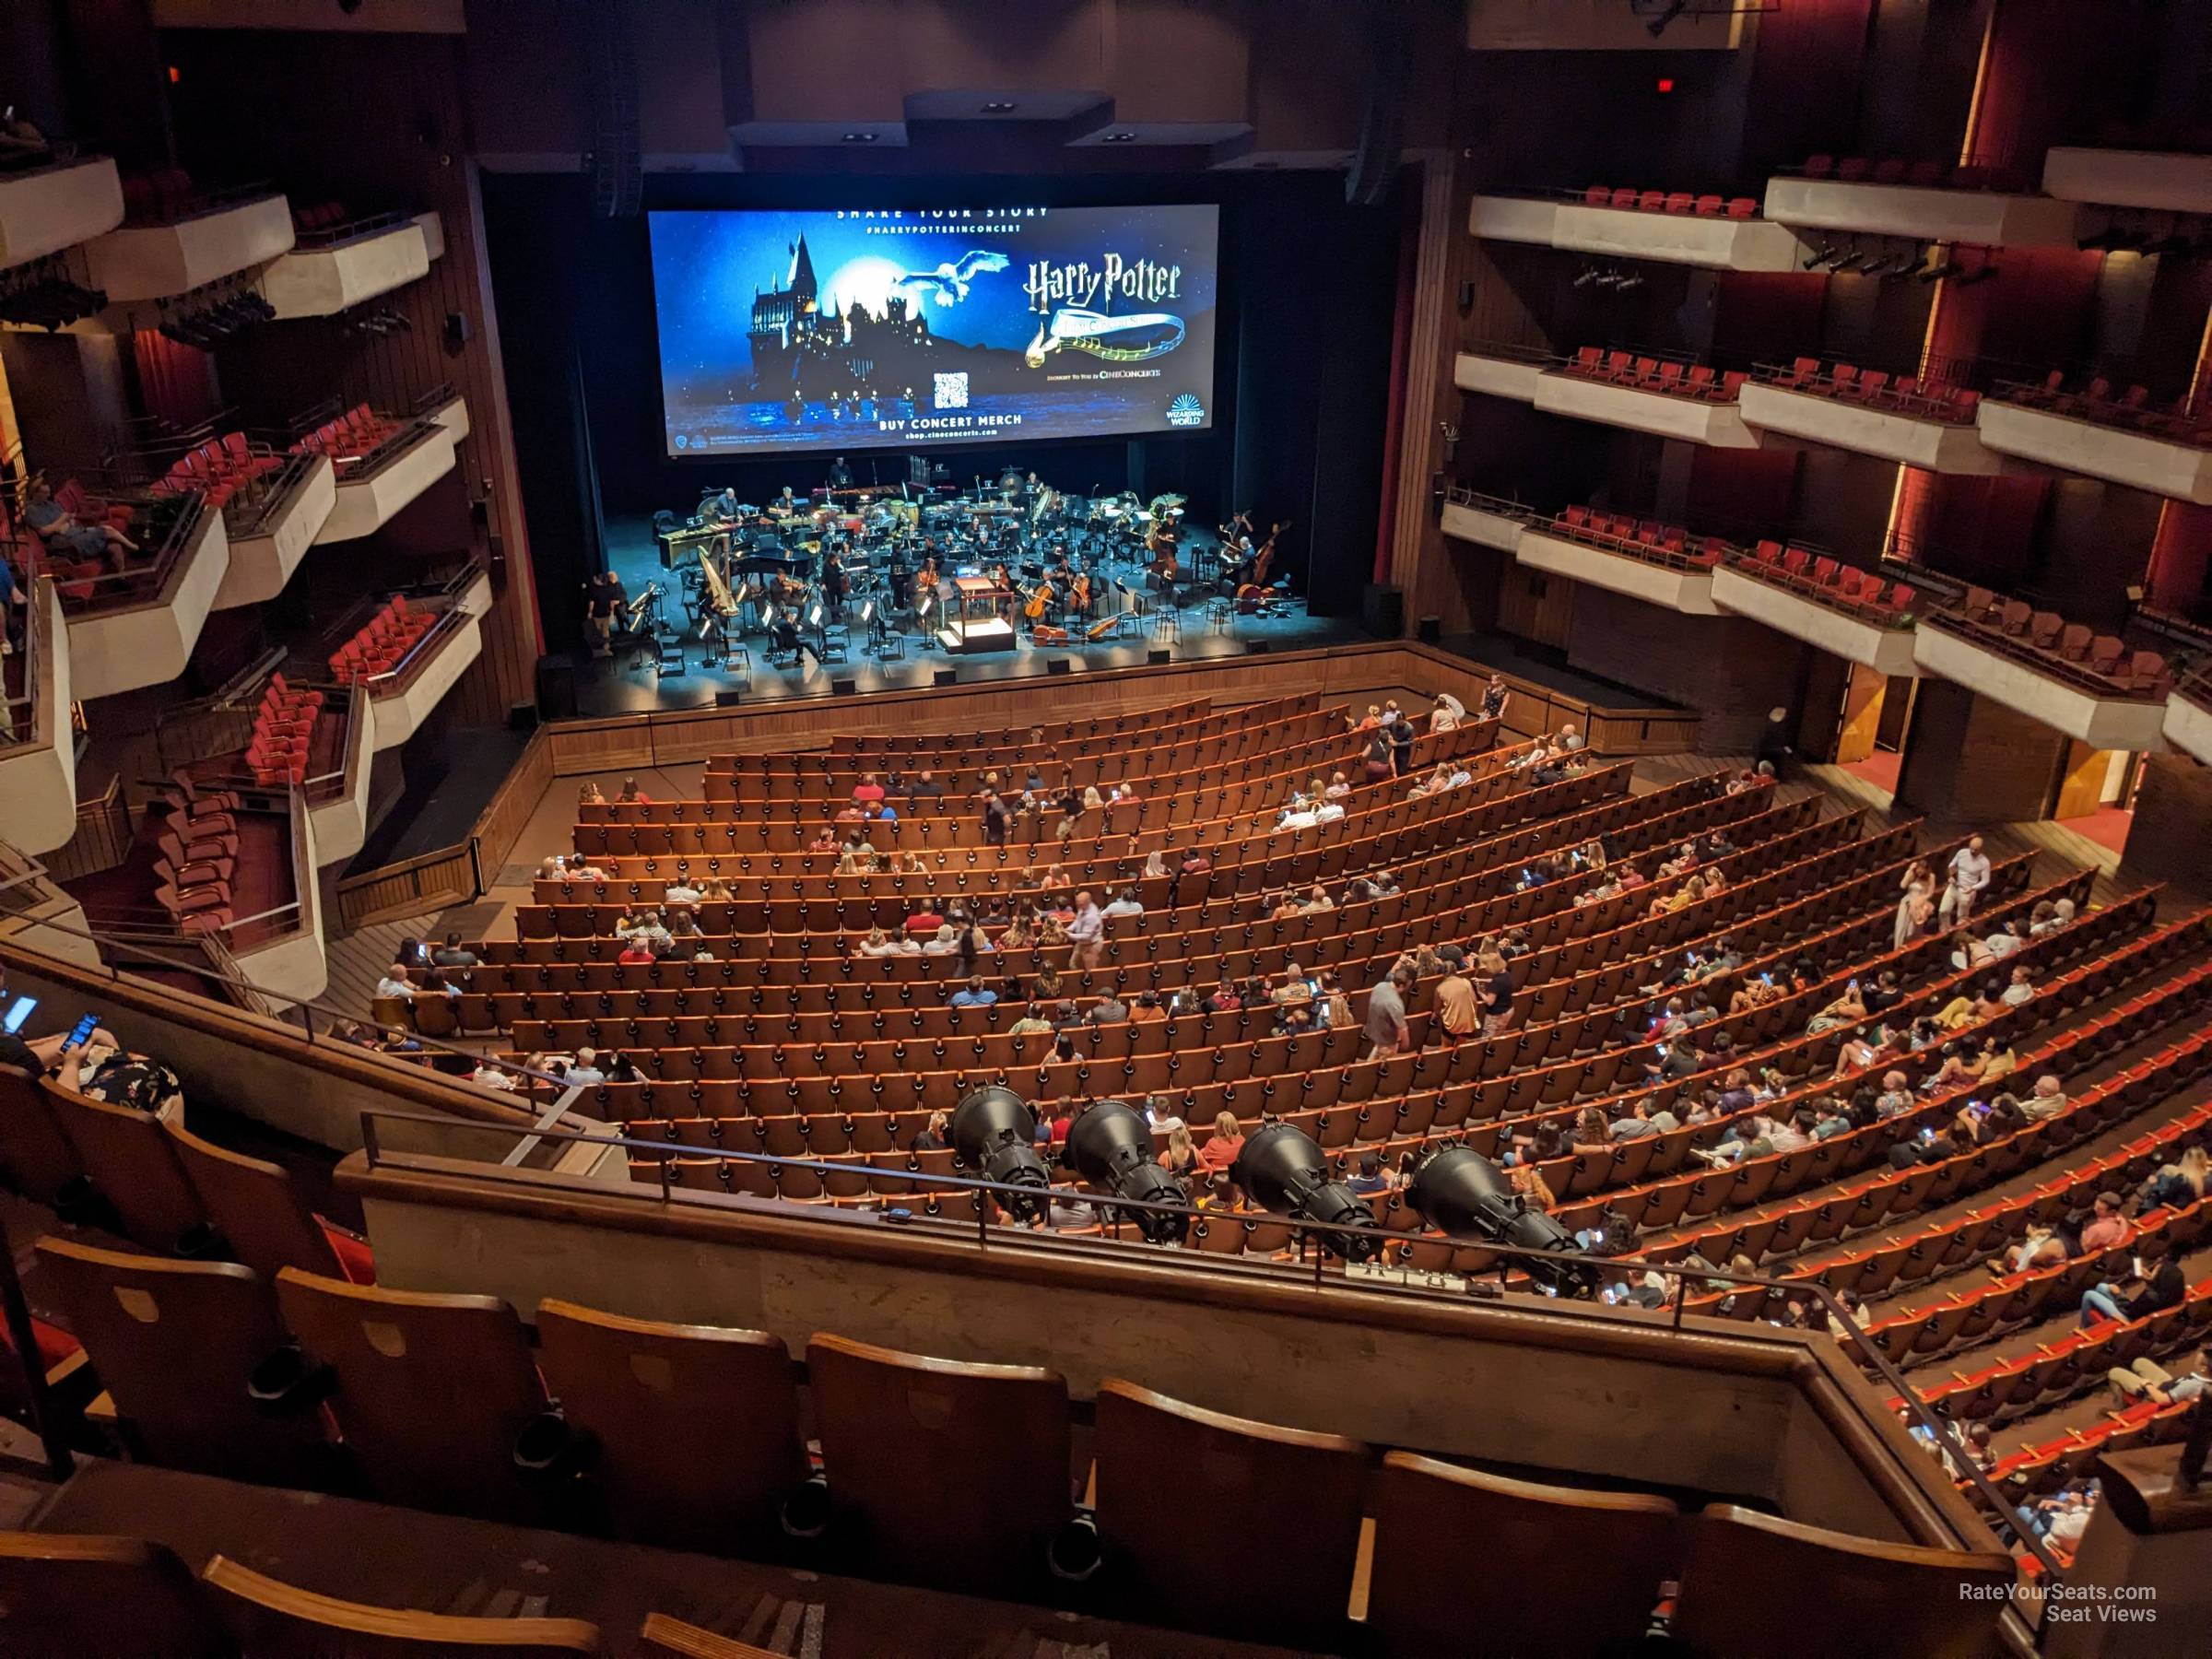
[(1110, 1146), (1464, 1195), (993, 1133), (1285, 1173)]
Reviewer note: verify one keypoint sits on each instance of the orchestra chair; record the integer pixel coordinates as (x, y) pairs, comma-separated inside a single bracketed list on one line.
[(260, 1215), (940, 1472), (1282, 1572), (1534, 1568), (1749, 1575), (284, 1621), (1167, 625), (132, 1169), (698, 1426), (177, 1346), (392, 1352), (35, 1158), (71, 1595)]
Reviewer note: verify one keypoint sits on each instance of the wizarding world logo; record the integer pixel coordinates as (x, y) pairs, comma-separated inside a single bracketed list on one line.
[(1185, 410)]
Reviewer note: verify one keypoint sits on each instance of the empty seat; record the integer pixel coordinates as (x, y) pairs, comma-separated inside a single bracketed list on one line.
[(176, 1344), (391, 1354), (35, 1158), (1749, 1576), (645, 1389), (63, 1593), (259, 1213), (1282, 1572), (1461, 1556), (133, 1169), (942, 1472), (279, 1619)]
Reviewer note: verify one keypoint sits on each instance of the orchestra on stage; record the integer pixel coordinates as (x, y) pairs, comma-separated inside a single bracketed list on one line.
[(845, 566)]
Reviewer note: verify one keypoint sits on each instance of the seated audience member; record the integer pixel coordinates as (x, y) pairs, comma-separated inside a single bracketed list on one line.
[(1222, 1147), (975, 994), (1147, 1007), (2157, 1284), (490, 1077), (2045, 1100), (1109, 1009), (454, 954), (1124, 903), (2145, 1379), (2021, 990), (1371, 1178), (99, 1068), (2178, 1184), (395, 982), (2043, 1247), (584, 1071), (2109, 1229)]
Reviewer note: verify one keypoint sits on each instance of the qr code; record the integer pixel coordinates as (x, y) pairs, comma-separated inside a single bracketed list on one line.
[(952, 391)]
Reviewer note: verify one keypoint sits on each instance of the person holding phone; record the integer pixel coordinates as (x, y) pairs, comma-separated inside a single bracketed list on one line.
[(40, 1055)]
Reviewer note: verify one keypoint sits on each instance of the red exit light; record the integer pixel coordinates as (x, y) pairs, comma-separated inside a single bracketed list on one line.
[(1667, 83)]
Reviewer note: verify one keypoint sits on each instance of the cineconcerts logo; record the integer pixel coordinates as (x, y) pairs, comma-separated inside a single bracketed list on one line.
[(1187, 411), (951, 391)]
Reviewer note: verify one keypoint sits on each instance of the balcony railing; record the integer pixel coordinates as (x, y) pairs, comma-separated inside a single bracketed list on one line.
[(2097, 666), (177, 516)]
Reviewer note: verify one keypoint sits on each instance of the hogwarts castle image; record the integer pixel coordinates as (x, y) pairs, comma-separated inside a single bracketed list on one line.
[(805, 351)]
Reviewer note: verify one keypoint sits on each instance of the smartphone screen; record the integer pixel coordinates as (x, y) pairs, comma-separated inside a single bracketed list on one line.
[(18, 1012), (79, 1031)]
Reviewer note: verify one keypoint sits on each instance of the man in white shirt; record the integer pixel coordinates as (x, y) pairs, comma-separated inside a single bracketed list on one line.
[(491, 1077), (1086, 932), (1970, 875), (395, 982), (1128, 904), (2046, 1099), (2022, 991)]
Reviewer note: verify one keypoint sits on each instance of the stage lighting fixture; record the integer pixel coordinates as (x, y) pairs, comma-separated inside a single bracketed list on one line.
[(1850, 264), (1464, 1195), (1658, 14), (1283, 1171), (999, 106), (860, 138), (1981, 273), (1120, 138), (1585, 277), (993, 1133), (1938, 271), (1823, 254), (1110, 1146)]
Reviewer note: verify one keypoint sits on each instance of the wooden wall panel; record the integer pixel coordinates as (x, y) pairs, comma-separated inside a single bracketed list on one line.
[(1537, 606)]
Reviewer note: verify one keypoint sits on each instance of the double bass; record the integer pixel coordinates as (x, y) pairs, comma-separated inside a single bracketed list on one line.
[(1252, 593)]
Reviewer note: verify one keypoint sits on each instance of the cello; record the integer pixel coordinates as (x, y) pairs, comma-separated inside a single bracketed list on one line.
[(1034, 603)]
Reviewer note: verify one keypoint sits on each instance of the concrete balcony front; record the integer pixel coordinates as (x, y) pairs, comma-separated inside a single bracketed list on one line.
[(153, 261), (2161, 181), (2188, 722), (1487, 521), (1718, 243), (49, 209), (2139, 459), (1933, 445), (1496, 375), (338, 804), (452, 413), (2101, 718), (1984, 217), (370, 493), (124, 646), (1854, 636), (1670, 581), (268, 540), (1714, 423), (335, 275), (38, 748), (405, 697), (281, 952)]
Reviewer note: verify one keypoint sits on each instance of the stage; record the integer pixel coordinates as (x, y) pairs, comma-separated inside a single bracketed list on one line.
[(630, 682)]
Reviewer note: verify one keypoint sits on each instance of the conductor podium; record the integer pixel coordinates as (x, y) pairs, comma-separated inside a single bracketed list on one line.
[(974, 619)]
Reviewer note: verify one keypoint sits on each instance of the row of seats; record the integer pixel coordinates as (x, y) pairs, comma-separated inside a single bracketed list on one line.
[(156, 523), (1905, 394), (1644, 540), (2182, 422), (283, 741), (1834, 583), (1655, 374), (382, 642), (955, 1474), (198, 841), (1920, 175), (2070, 650), (1672, 201), (359, 440), (847, 753), (222, 468)]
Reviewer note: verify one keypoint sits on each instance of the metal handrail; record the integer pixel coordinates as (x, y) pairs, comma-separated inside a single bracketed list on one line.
[(1317, 1235)]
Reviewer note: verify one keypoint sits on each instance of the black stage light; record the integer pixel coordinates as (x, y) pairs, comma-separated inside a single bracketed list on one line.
[(1823, 254), (993, 1133), (1464, 1195), (1283, 1171), (1110, 1146)]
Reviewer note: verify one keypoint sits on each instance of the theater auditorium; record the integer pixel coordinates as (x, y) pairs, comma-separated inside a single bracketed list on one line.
[(870, 828)]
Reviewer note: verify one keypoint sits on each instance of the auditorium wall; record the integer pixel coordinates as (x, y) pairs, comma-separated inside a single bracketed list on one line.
[(1970, 760), (1731, 671), (2170, 838)]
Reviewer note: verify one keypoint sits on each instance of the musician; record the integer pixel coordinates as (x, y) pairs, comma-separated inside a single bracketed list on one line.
[(836, 585), (724, 505), (605, 611), (841, 476)]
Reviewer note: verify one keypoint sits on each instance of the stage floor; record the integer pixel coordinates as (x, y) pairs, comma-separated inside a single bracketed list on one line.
[(628, 683)]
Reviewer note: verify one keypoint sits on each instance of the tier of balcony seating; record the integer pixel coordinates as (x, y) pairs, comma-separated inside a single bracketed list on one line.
[(382, 644), (2103, 665), (1904, 395), (1645, 539), (1672, 376), (282, 747), (1861, 594), (221, 468), (2181, 422), (1923, 174), (1671, 201), (161, 523), (358, 439)]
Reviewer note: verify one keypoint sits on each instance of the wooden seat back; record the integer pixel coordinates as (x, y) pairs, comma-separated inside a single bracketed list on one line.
[(1532, 1568), (1749, 1576), (432, 1390), (255, 1205), (284, 1621), (67, 1595), (133, 1166), (952, 1474), (175, 1344), (35, 1158), (663, 1636), (1282, 1568), (698, 1425)]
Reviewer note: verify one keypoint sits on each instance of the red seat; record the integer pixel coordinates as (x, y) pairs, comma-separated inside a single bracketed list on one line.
[(1707, 206), (1852, 168), (1819, 166), (1743, 208)]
